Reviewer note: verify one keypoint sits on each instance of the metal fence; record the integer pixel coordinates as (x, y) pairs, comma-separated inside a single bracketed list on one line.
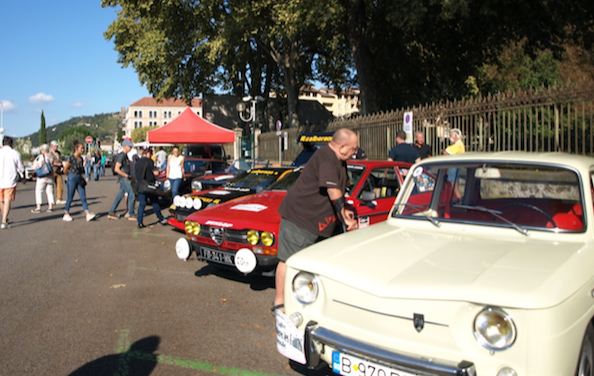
[(553, 119)]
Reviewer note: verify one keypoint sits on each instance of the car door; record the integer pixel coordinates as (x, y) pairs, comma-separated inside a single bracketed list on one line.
[(384, 183)]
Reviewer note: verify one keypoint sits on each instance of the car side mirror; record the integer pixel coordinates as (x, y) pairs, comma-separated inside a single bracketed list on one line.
[(368, 196)]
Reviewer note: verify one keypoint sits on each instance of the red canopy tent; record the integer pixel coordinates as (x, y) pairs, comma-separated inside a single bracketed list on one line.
[(189, 128)]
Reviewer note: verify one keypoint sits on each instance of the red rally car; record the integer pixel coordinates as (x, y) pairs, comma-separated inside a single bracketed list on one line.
[(243, 234)]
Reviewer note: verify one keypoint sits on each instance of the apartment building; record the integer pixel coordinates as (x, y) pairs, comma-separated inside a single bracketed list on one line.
[(148, 112), (341, 104)]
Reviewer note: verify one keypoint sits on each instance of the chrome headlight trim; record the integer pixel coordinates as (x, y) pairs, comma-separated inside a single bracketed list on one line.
[(305, 287), (494, 329), (196, 185)]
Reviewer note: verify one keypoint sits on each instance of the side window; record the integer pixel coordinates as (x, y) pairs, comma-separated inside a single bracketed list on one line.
[(383, 182)]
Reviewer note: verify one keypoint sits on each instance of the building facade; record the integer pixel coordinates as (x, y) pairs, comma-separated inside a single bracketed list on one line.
[(340, 104), (148, 112)]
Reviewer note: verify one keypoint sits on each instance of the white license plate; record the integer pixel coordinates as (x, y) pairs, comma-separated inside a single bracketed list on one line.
[(217, 256), (349, 365)]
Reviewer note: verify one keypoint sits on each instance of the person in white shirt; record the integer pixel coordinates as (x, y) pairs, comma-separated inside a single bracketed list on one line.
[(11, 169), (175, 171), (161, 158), (45, 182)]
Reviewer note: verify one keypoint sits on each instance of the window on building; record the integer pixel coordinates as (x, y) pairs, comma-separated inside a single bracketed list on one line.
[(135, 124), (139, 113), (135, 113)]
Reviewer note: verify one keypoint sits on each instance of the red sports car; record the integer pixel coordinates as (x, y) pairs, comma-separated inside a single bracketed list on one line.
[(242, 234)]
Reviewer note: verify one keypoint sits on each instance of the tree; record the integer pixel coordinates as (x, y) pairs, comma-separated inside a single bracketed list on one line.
[(42, 133), (68, 137), (139, 134)]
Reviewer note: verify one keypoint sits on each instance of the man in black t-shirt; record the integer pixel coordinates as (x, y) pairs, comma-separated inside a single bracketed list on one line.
[(122, 169), (403, 152), (315, 203), (423, 149)]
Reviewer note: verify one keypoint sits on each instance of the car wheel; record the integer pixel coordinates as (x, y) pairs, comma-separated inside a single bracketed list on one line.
[(585, 365)]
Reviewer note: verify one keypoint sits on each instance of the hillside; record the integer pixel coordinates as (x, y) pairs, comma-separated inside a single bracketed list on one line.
[(103, 125)]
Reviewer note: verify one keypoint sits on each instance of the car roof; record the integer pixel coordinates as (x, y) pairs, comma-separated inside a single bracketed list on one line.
[(555, 158)]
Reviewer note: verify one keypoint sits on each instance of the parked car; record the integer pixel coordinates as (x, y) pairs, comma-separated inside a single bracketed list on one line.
[(236, 168), (243, 234), (485, 267), (193, 167), (29, 171), (247, 183)]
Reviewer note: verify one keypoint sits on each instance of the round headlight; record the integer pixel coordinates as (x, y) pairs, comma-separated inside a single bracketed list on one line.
[(267, 238), (494, 329), (167, 185), (196, 185), (189, 201), (188, 226), (305, 287), (197, 203), (196, 229), (176, 200), (253, 237)]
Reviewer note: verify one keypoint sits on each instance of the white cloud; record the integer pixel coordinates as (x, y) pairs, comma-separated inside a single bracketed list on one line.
[(41, 98), (77, 105), (8, 106)]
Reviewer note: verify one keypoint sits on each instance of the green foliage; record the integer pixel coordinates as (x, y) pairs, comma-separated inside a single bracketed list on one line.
[(139, 134), (42, 132), (68, 137)]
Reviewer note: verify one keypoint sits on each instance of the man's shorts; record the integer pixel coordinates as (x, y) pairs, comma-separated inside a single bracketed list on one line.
[(8, 194), (292, 239)]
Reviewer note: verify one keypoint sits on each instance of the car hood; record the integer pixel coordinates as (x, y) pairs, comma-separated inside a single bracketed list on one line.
[(223, 194), (388, 261), (262, 207)]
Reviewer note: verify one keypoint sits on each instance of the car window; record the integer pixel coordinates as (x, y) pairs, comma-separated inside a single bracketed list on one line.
[(193, 166), (287, 181), (355, 172), (496, 194), (383, 182)]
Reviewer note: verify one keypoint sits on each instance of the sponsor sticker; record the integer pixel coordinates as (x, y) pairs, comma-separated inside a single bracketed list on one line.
[(250, 207), (418, 171), (220, 193)]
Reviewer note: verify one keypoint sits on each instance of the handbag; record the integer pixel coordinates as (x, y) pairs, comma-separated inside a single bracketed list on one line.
[(44, 170), (81, 181), (146, 188)]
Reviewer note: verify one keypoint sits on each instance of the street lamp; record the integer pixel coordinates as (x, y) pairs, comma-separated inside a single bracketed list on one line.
[(252, 117)]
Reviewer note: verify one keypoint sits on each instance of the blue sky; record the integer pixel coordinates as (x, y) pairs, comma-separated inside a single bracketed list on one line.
[(53, 57)]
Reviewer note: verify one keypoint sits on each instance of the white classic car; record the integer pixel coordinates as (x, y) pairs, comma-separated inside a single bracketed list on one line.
[(485, 267)]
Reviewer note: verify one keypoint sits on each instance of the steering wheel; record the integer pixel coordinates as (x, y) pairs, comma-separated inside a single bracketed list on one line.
[(530, 206)]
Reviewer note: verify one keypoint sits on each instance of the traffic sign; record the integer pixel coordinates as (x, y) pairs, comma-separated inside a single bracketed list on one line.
[(89, 139)]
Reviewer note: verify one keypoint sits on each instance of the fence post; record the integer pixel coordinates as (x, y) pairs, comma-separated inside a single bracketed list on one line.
[(556, 127)]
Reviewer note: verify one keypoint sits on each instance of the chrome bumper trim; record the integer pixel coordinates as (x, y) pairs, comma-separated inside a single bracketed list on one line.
[(409, 363)]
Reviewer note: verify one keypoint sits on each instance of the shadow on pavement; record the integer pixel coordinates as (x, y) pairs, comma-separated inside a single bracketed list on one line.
[(138, 360), (256, 282), (300, 368)]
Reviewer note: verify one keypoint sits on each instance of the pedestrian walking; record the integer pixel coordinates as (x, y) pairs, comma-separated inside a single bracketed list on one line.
[(103, 160), (122, 169), (11, 170), (175, 171), (145, 177), (161, 158), (45, 179), (96, 164), (58, 171), (75, 182), (88, 165), (315, 204)]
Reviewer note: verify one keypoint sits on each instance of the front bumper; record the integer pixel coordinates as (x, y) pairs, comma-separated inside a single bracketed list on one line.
[(317, 339)]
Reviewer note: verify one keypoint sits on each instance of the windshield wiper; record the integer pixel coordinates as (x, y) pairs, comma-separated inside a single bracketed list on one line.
[(420, 209), (495, 213)]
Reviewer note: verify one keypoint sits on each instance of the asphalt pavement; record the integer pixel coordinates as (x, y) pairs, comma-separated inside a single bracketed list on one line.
[(105, 298)]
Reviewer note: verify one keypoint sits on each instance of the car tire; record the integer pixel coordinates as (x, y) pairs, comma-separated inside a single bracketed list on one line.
[(585, 366)]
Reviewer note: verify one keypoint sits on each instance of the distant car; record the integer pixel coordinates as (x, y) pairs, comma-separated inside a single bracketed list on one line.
[(245, 184), (193, 167), (236, 168), (485, 267), (243, 234)]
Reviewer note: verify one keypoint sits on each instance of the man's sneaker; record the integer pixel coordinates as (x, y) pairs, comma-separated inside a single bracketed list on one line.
[(90, 216), (67, 218), (4, 225), (127, 215), (112, 216), (132, 218), (58, 202), (163, 221)]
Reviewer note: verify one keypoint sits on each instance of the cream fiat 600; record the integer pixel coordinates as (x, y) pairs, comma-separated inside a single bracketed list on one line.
[(485, 267)]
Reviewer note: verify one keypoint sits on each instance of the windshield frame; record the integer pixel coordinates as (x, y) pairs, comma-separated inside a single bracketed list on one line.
[(409, 186)]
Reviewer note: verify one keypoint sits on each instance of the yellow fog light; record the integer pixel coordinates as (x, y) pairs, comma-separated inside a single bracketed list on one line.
[(253, 237), (196, 229), (188, 226), (267, 238), (494, 329)]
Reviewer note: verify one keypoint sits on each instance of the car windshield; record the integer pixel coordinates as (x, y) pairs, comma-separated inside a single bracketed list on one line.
[(287, 181), (241, 165), (255, 178), (197, 167), (355, 172), (522, 196)]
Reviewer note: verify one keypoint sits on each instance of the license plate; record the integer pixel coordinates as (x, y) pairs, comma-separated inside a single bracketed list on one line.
[(345, 364), (217, 256)]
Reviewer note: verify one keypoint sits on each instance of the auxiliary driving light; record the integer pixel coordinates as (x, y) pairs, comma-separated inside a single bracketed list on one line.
[(267, 238), (253, 237)]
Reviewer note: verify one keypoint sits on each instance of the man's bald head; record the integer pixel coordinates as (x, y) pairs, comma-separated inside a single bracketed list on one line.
[(344, 143)]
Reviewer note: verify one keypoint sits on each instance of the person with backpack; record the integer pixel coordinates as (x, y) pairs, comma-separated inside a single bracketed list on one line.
[(45, 179), (145, 177), (122, 169)]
